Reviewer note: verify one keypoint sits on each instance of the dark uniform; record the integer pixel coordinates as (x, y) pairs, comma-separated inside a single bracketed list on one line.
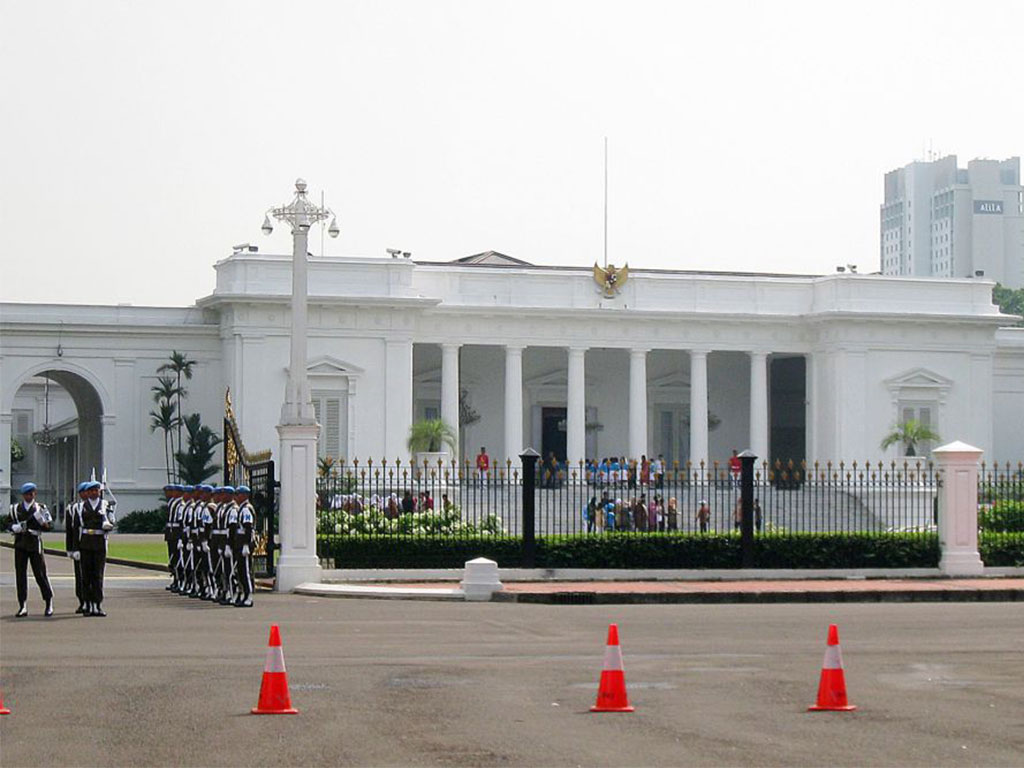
[(219, 544), (242, 545), (190, 542), (97, 520), (28, 521), (203, 525), (181, 542), (71, 533), (171, 531)]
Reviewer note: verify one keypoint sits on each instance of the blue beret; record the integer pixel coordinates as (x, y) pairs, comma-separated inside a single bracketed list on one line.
[(93, 484), (27, 488), (83, 485), (205, 487), (243, 489), (188, 488), (169, 487), (227, 489)]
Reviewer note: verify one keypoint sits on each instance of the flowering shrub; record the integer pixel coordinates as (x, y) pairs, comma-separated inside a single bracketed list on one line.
[(372, 521)]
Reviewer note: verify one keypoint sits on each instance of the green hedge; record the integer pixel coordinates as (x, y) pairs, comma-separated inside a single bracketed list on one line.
[(143, 521), (640, 552), (1002, 516), (1001, 549)]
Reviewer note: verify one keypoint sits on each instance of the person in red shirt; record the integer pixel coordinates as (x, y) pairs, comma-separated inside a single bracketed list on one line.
[(483, 464), (734, 468)]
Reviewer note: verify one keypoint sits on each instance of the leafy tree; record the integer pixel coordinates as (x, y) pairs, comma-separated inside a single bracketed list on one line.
[(910, 433), (194, 465), (179, 365), (430, 435), (166, 420), (17, 452), (1010, 301)]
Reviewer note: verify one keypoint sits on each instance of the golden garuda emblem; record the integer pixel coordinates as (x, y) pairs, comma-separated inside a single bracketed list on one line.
[(610, 279)]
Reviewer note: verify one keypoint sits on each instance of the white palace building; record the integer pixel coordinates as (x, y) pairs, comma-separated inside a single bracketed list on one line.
[(684, 364)]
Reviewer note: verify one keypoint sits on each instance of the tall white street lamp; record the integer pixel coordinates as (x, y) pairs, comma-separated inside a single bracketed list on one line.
[(298, 430)]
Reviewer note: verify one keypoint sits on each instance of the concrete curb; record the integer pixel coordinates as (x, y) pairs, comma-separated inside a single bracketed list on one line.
[(718, 598), (378, 592)]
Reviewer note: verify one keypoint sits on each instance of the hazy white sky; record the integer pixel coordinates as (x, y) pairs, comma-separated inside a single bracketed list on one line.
[(140, 140)]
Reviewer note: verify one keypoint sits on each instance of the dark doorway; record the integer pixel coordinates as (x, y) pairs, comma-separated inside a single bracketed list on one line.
[(788, 393), (553, 432)]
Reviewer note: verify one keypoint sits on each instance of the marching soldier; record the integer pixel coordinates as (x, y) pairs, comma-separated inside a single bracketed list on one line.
[(242, 545), (97, 520), (28, 521), (190, 539), (181, 564), (220, 544), (202, 525), (173, 492), (72, 528)]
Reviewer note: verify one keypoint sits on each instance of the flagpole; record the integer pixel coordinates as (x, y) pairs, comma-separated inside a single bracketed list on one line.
[(606, 202)]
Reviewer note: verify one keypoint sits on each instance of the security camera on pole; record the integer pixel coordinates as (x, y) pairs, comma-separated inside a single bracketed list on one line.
[(298, 429)]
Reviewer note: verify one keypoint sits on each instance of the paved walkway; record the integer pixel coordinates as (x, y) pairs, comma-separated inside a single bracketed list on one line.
[(783, 591)]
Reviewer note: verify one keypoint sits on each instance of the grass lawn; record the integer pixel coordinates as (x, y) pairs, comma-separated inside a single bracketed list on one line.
[(143, 551)]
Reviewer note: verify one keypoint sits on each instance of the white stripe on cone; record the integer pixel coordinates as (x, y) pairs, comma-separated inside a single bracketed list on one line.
[(275, 659), (833, 658), (613, 658)]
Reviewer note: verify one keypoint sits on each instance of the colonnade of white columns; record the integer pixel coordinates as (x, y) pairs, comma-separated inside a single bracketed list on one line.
[(576, 401)]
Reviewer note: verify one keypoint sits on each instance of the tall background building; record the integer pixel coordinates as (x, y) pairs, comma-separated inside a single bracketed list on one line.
[(939, 220)]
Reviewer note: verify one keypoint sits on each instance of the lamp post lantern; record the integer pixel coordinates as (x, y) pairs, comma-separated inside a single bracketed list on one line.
[(298, 430)]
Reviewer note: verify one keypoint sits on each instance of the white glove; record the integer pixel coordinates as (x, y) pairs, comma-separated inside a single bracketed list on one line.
[(42, 516), (76, 555), (189, 546), (206, 547), (227, 552), (245, 550), (17, 528), (107, 525)]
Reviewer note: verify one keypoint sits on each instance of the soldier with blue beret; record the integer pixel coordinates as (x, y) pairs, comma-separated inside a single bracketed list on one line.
[(28, 521)]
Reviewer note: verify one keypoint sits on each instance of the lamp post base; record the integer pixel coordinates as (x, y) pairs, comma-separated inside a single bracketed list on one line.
[(298, 562)]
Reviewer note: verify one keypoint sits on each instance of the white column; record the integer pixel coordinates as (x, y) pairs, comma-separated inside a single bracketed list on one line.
[(513, 404), (6, 421), (450, 390), (637, 403), (576, 408), (698, 407), (759, 405), (958, 509), (298, 430), (398, 399), (298, 404)]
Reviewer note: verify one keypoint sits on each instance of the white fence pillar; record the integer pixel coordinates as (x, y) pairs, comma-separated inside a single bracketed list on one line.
[(958, 509)]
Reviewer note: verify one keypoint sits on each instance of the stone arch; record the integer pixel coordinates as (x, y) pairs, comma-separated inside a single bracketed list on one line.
[(91, 405)]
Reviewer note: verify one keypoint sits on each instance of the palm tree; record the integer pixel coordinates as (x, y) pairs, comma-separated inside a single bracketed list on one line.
[(194, 464), (165, 419), (430, 435), (910, 433), (165, 394), (180, 365)]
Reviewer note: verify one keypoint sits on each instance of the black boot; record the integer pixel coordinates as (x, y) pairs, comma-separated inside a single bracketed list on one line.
[(22, 610), (49, 608)]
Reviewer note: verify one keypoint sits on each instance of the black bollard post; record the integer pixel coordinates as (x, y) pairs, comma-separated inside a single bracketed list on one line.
[(747, 459), (529, 458)]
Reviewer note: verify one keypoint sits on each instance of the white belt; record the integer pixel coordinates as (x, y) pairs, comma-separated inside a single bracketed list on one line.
[(33, 531), (94, 531), (220, 531)]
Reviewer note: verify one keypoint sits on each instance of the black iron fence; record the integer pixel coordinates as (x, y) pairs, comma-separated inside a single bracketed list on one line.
[(1001, 513), (449, 500)]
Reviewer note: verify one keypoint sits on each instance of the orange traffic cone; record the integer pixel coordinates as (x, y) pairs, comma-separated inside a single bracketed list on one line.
[(274, 698), (611, 693), (832, 687)]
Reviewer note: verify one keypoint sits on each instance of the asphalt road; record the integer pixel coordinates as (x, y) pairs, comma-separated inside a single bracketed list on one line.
[(169, 681)]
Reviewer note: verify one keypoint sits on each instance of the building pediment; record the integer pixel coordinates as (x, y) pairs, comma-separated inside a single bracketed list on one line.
[(919, 382), (332, 366)]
